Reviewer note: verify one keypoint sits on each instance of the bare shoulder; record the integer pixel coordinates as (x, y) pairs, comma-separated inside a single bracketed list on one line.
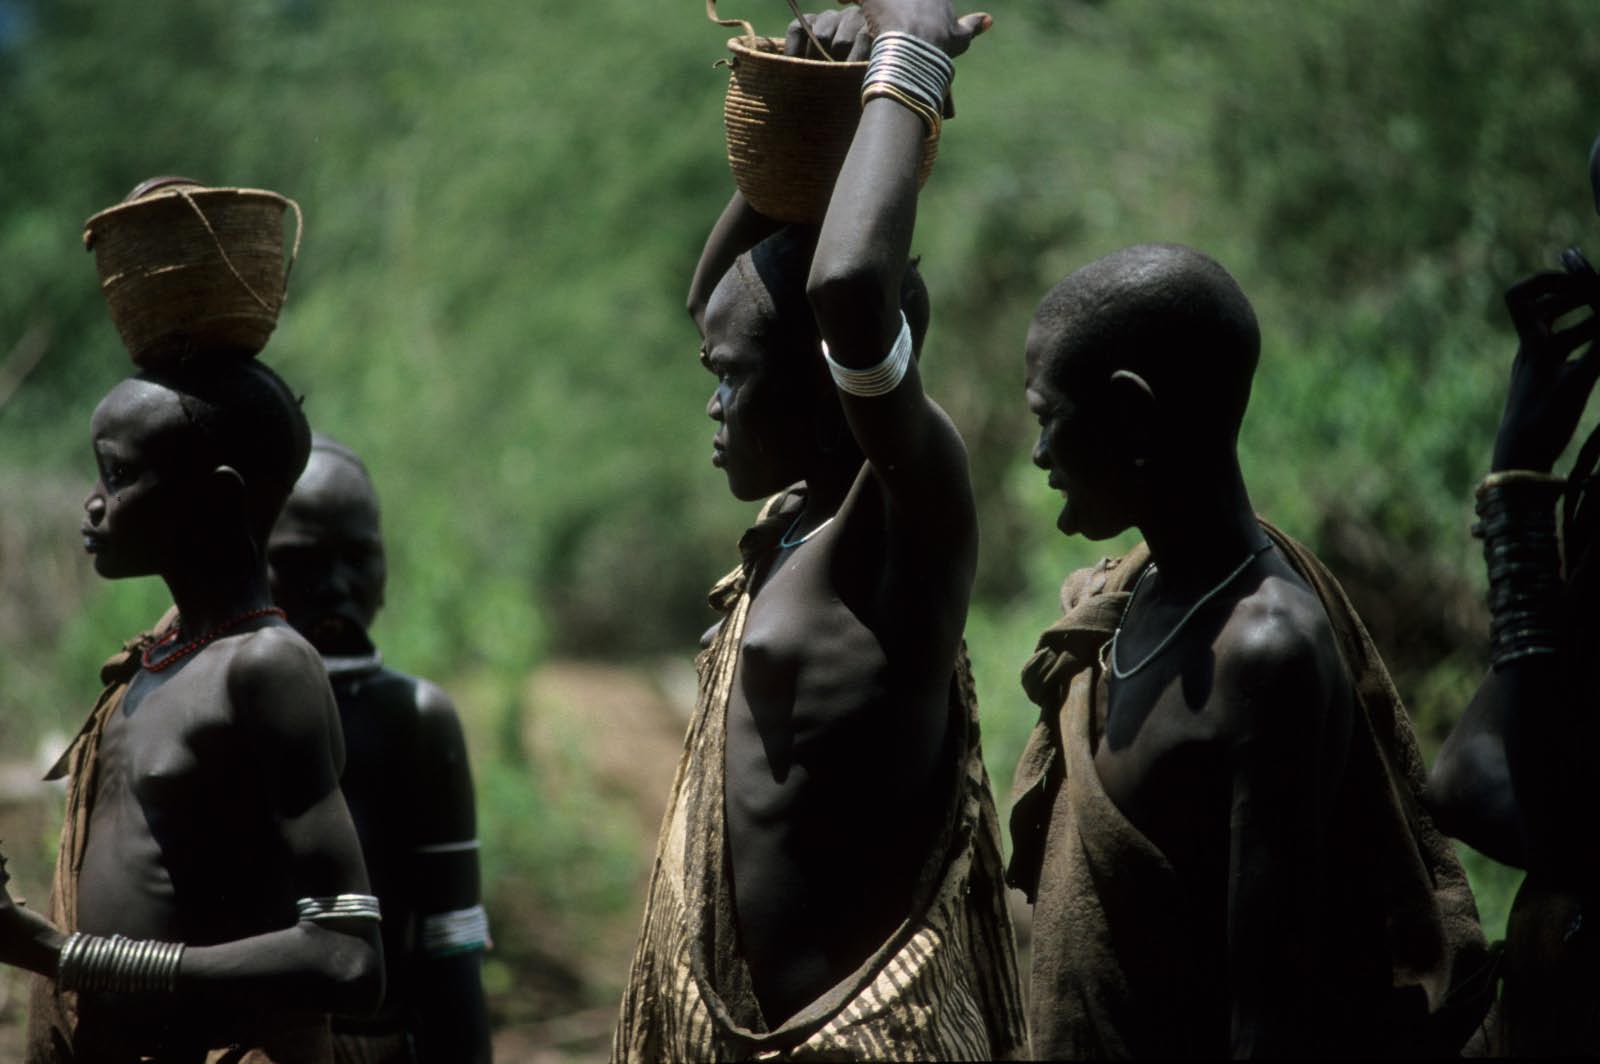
[(275, 669), (438, 723), (446, 806), (276, 652), (1278, 651), (950, 456)]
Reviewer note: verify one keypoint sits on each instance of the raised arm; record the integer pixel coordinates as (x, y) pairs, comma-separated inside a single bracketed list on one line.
[(861, 256), (1498, 782), (323, 962), (739, 228), (451, 1018)]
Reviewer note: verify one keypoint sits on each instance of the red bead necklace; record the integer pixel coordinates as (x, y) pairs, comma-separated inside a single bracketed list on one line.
[(148, 659)]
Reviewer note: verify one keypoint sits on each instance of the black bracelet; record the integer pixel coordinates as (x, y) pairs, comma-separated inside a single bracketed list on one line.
[(1517, 521)]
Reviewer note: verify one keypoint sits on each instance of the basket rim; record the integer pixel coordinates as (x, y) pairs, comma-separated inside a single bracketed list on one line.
[(740, 47), (172, 192)]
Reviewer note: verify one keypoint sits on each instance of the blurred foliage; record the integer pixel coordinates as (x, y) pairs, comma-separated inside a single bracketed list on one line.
[(503, 206)]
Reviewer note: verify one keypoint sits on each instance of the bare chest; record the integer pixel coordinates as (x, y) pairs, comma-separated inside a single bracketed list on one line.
[(811, 673), (168, 783), (1160, 756), (166, 741)]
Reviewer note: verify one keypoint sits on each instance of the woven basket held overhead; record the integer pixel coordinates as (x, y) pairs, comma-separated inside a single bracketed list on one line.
[(789, 123), (189, 269)]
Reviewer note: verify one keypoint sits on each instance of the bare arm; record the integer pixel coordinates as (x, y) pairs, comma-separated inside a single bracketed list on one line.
[(1286, 709), (739, 228), (287, 714), (1501, 782), (1469, 788), (451, 1018), (856, 276)]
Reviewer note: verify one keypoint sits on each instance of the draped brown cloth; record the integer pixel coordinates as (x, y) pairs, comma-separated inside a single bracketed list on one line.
[(945, 984), (1123, 967), (54, 1033)]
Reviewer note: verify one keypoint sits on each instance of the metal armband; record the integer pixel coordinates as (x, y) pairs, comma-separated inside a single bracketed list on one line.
[(457, 931), (877, 380), (339, 907)]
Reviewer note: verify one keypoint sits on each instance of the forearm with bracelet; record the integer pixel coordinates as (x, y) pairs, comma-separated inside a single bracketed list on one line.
[(1517, 522), (122, 965), (913, 73)]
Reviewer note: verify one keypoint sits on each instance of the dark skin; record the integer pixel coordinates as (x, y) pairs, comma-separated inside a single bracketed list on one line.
[(839, 724), (406, 778), (1507, 781), (218, 802), (1225, 751)]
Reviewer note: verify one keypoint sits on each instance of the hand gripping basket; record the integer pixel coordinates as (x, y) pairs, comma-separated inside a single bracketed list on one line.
[(789, 123), (185, 268)]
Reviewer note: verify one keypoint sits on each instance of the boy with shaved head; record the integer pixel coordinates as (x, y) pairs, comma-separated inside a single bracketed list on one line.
[(1217, 817), (828, 882), (406, 775), (210, 902)]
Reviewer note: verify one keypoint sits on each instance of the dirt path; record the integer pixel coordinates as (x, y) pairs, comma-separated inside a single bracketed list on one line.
[(621, 729)]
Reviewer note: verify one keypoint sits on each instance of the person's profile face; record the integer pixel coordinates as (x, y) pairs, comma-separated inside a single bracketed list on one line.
[(135, 513), (325, 555), (760, 403), (1074, 443)]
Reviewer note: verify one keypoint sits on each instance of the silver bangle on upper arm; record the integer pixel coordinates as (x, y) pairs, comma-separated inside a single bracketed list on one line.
[(462, 846), (339, 907), (457, 931), (877, 380)]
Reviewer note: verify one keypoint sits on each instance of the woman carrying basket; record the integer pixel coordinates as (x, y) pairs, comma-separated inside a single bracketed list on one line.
[(828, 875)]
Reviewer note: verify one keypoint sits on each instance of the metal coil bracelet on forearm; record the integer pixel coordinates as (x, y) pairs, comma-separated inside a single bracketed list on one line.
[(1517, 521), (118, 964)]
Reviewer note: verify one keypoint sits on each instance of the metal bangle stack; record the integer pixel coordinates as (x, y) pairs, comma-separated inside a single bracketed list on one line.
[(911, 71), (877, 380), (1517, 522), (118, 964)]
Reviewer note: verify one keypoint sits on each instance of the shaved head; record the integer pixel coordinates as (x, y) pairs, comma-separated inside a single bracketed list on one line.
[(326, 551), (239, 413), (1167, 312)]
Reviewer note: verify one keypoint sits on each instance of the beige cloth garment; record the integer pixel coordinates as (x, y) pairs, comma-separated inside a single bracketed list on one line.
[(54, 1034), (944, 986), (1122, 966)]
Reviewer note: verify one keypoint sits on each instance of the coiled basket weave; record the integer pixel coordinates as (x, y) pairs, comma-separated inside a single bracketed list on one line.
[(789, 123), (185, 268)]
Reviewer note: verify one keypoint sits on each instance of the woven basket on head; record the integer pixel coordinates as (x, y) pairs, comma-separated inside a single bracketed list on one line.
[(789, 123), (189, 269)]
